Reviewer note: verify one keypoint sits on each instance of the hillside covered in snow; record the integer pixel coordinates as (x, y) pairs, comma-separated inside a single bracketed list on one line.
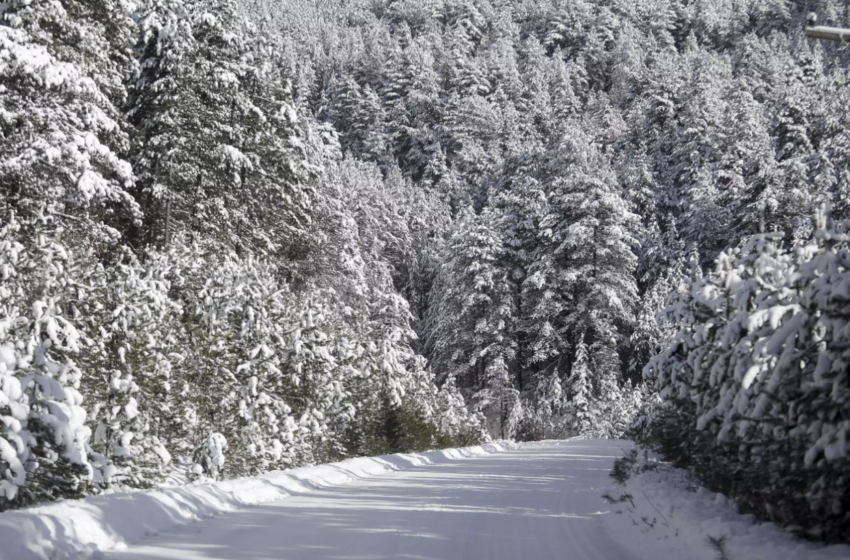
[(246, 235)]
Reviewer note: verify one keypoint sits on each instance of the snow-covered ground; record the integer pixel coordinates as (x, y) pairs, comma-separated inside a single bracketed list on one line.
[(86, 528), (498, 501), (540, 501), (671, 517)]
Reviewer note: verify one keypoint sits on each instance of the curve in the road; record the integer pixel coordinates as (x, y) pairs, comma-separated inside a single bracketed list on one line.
[(539, 502)]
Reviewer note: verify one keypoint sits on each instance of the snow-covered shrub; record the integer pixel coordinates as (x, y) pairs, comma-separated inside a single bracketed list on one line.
[(130, 321), (43, 435), (755, 386), (210, 456), (242, 318)]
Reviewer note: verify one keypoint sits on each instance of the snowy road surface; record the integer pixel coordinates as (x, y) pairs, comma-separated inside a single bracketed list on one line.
[(540, 501)]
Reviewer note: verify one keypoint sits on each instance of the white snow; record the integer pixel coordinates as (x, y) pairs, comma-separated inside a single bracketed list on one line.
[(82, 528), (673, 517), (534, 502), (495, 501)]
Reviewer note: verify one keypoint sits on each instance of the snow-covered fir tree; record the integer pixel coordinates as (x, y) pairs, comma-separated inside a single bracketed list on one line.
[(44, 437), (241, 235)]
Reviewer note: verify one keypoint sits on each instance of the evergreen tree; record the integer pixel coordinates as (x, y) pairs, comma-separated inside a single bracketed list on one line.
[(44, 438), (746, 378), (582, 279), (582, 417), (471, 326), (63, 137)]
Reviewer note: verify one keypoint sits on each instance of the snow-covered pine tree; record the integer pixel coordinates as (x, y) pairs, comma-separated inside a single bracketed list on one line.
[(471, 332), (131, 319), (63, 137), (43, 435), (582, 277), (223, 161), (236, 385), (357, 112), (749, 384), (581, 417)]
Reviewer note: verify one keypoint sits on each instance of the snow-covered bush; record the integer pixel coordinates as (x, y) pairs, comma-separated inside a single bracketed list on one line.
[(43, 434), (755, 387)]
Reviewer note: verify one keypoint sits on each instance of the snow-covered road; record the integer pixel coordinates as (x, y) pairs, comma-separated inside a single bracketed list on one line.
[(540, 501)]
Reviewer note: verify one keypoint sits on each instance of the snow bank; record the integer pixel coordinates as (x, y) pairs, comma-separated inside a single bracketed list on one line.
[(82, 528), (673, 518)]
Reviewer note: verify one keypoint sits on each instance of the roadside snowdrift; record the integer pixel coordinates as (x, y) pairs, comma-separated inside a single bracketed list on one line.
[(82, 528), (669, 516)]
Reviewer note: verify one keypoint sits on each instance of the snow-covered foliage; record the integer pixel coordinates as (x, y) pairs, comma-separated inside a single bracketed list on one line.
[(61, 74), (44, 438), (187, 284), (755, 388), (114, 374), (278, 233)]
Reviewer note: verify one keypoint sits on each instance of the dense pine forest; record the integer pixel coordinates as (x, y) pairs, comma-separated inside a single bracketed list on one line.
[(245, 235)]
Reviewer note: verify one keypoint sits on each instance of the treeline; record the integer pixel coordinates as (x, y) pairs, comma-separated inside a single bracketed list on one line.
[(193, 279), (240, 236), (591, 164)]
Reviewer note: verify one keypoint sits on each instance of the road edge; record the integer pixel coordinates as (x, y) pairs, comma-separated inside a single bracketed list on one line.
[(90, 526)]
